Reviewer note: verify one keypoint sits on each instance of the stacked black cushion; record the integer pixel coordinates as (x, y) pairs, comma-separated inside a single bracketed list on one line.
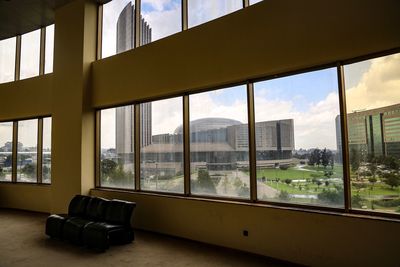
[(115, 230), (95, 222)]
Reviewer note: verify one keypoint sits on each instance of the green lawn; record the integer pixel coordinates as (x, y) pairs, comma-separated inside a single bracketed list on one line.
[(296, 174)]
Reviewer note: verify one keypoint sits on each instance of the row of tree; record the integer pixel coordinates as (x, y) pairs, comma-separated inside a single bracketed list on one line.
[(322, 157)]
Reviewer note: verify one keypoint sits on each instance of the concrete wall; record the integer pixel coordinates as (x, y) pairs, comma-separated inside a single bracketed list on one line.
[(268, 38), (297, 236)]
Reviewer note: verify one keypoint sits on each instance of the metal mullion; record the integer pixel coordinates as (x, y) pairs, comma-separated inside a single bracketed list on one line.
[(17, 58), (186, 145), (344, 135), (39, 163), (99, 32), (184, 15), (97, 149), (137, 145), (42, 50), (14, 152), (252, 142), (246, 3), (138, 23)]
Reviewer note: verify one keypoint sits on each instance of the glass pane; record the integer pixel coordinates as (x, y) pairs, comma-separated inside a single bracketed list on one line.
[(27, 151), (162, 158), (254, 1), (160, 19), (49, 53), (6, 136), (116, 145), (46, 165), (373, 117), (30, 54), (118, 27), (219, 143), (201, 11), (296, 139), (7, 59)]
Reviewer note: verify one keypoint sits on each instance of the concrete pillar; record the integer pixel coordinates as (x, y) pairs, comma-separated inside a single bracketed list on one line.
[(73, 118)]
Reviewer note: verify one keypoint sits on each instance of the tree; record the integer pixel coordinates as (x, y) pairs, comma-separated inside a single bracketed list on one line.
[(283, 195), (357, 201), (373, 168), (335, 196), (121, 177), (315, 157), (28, 169), (372, 180), (204, 182), (354, 159), (391, 162), (326, 157), (392, 179), (108, 166)]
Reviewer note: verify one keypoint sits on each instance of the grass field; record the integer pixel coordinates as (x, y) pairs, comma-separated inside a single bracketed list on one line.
[(293, 173)]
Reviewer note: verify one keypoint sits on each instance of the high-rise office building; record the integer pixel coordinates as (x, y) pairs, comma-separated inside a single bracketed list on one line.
[(125, 115), (373, 132)]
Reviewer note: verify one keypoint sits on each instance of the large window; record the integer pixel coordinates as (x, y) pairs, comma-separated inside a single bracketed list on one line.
[(30, 54), (296, 139), (219, 148), (161, 145), (32, 150), (373, 117), (46, 158), (293, 151), (6, 146), (160, 19), (27, 151), (116, 147), (7, 59), (201, 11)]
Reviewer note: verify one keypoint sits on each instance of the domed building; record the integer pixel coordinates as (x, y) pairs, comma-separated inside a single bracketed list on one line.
[(222, 144), (206, 124)]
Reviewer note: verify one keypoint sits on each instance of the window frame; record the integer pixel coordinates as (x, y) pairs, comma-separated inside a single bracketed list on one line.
[(346, 209), (42, 55), (39, 150)]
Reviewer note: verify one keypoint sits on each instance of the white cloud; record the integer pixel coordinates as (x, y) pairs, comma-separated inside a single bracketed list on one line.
[(200, 11), (378, 87), (167, 115), (204, 105), (164, 22), (314, 127)]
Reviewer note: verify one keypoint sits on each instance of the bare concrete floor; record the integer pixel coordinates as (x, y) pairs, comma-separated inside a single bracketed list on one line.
[(23, 243)]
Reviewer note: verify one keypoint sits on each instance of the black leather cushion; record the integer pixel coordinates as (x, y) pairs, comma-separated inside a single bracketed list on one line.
[(73, 228), (77, 206), (96, 209), (101, 235), (119, 212), (54, 225)]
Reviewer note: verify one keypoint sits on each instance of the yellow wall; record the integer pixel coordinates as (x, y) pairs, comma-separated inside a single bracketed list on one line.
[(265, 39), (302, 237), (26, 98), (25, 196), (268, 38)]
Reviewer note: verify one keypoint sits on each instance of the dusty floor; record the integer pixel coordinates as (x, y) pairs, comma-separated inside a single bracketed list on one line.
[(23, 243)]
